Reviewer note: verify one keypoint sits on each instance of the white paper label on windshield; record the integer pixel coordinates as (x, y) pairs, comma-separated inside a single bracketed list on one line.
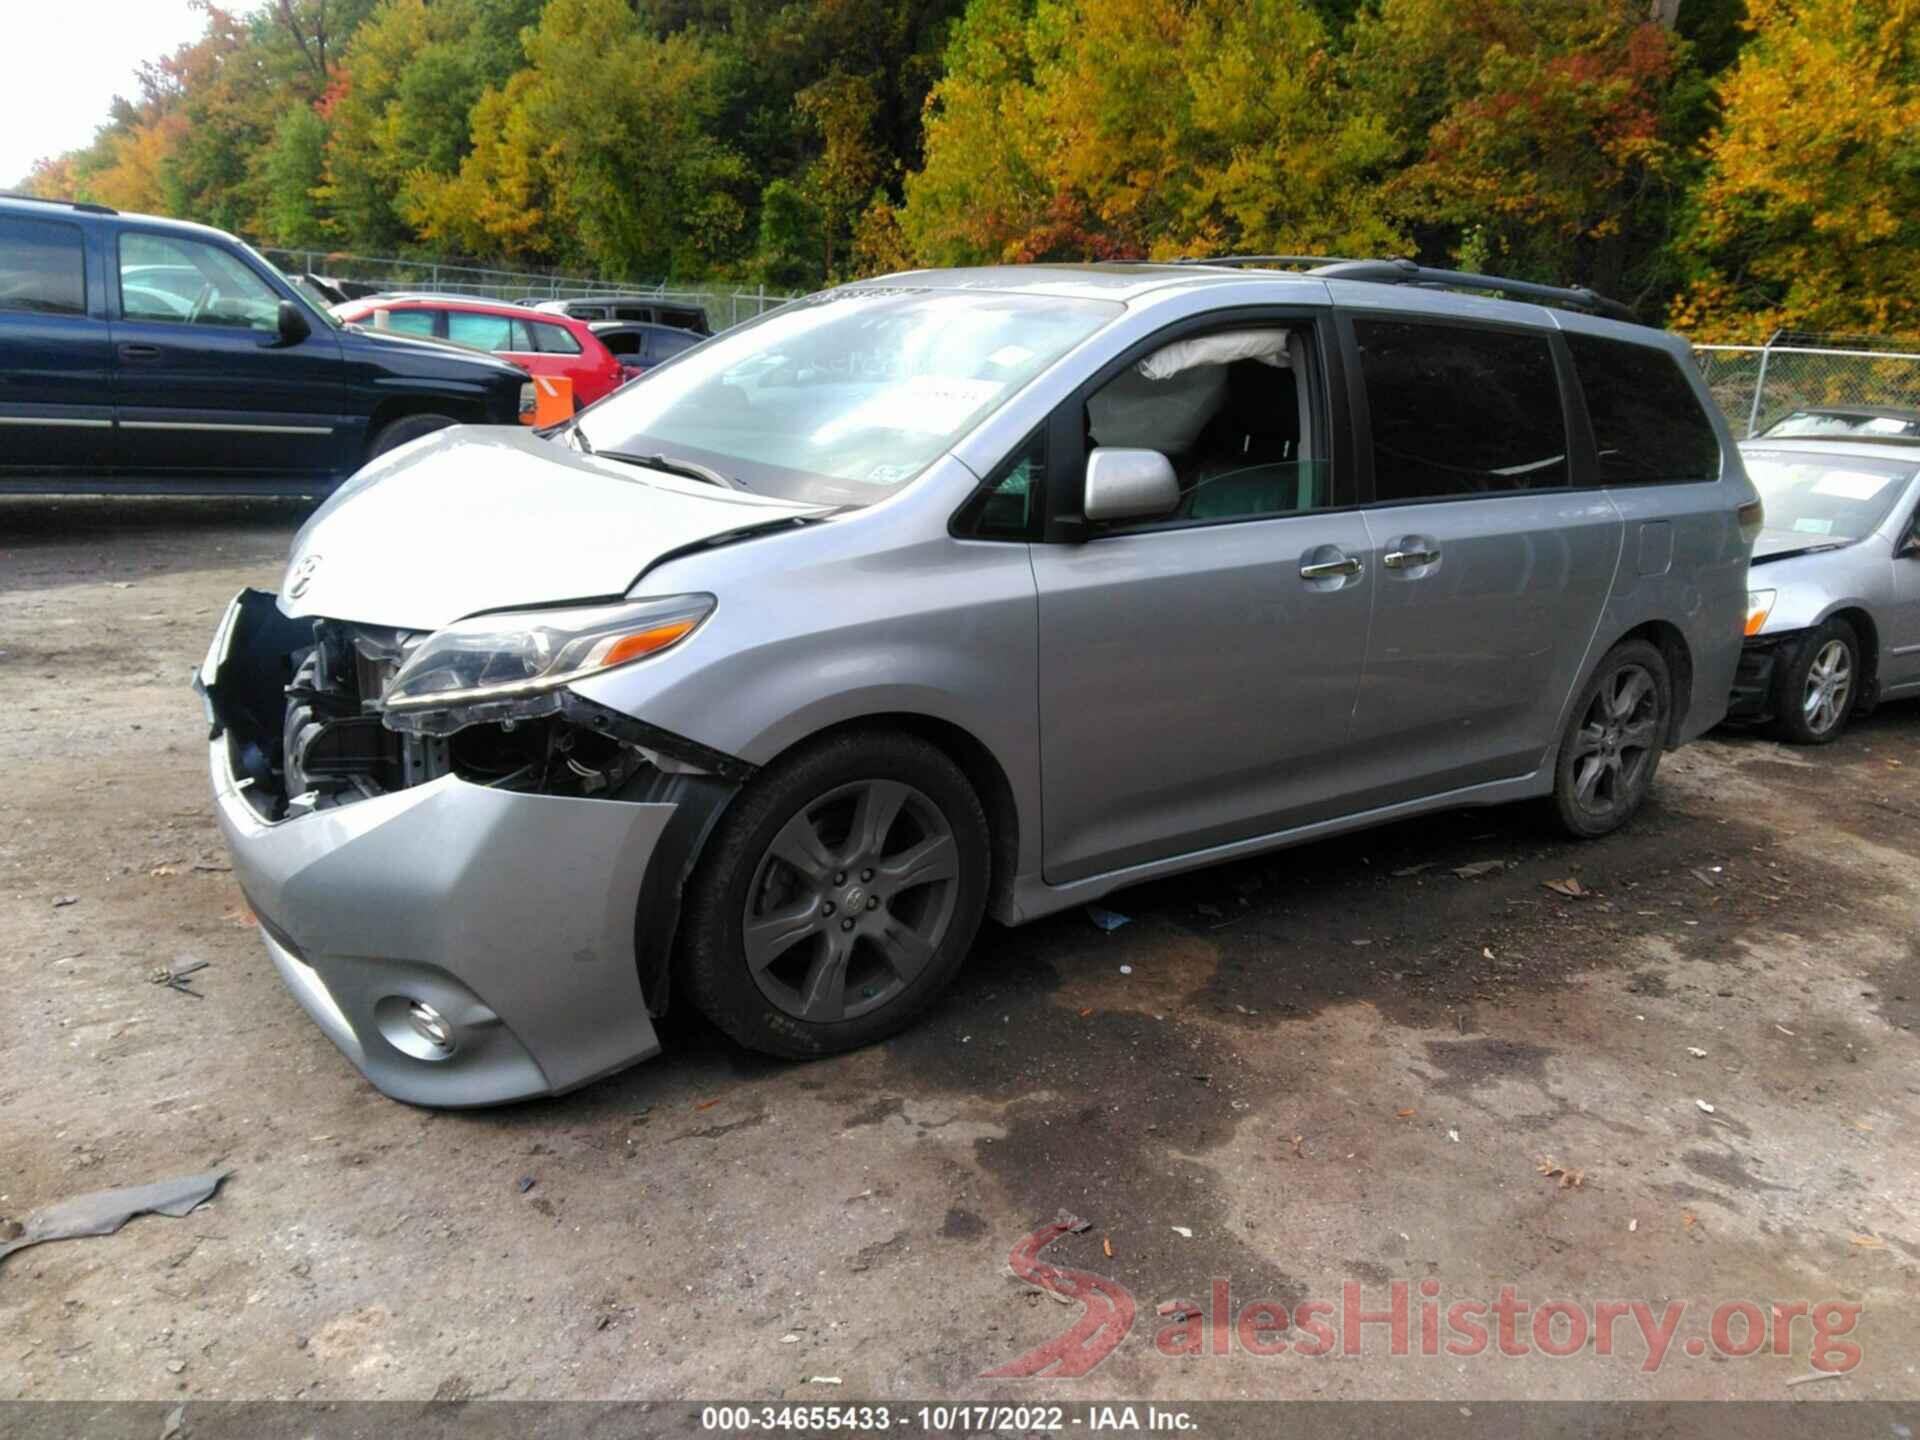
[(1010, 355), (1851, 484), (1807, 525)]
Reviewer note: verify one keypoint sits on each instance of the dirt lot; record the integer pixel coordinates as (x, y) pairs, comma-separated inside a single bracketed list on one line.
[(1345, 1063)]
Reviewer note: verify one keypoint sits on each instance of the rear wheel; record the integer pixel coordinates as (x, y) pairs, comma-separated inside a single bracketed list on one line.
[(1613, 740), (1816, 685), (408, 427), (838, 897)]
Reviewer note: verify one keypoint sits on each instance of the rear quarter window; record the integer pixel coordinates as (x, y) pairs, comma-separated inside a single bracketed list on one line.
[(43, 267), (553, 339), (1648, 425)]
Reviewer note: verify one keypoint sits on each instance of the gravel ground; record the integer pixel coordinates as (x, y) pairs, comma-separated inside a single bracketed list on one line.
[(1342, 1065)]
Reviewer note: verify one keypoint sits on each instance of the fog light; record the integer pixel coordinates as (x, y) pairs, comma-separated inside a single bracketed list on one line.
[(415, 1028), (430, 1025)]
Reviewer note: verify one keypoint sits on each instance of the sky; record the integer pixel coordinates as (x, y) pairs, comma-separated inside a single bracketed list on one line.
[(65, 60)]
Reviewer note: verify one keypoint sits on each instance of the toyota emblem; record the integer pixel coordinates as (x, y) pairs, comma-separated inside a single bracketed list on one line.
[(303, 576)]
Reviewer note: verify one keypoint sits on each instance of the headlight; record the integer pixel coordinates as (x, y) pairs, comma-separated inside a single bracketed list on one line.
[(514, 655), (1759, 607)]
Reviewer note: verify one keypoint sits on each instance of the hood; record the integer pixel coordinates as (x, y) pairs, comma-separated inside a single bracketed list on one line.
[(487, 518), (1785, 544)]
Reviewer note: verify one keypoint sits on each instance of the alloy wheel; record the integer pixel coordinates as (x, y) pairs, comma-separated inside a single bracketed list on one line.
[(1829, 686), (1617, 740), (851, 901)]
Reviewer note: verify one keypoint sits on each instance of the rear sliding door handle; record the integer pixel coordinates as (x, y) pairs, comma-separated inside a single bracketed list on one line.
[(139, 352), (1408, 559), (1327, 569)]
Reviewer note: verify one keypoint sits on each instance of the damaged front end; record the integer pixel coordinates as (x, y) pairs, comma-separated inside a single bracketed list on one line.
[(468, 874)]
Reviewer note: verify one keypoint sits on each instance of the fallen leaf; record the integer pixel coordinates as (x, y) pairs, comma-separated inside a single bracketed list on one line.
[(708, 1104), (1687, 1220), (1868, 1242), (1478, 867), (1572, 1179), (1106, 1245), (1182, 1231), (160, 872), (1632, 1225), (1569, 887), (62, 901), (1298, 1153), (1486, 952), (1696, 1052), (1406, 870), (1454, 1136), (1704, 1106), (1406, 1114), (1086, 1012)]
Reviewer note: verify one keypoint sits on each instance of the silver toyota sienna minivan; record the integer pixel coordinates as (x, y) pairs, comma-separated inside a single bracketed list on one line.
[(953, 594)]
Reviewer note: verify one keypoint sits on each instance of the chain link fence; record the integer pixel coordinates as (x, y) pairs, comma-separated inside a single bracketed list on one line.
[(1755, 385), (725, 305)]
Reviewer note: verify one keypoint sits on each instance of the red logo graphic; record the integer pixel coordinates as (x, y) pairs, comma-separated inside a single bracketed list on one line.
[(1104, 1323)]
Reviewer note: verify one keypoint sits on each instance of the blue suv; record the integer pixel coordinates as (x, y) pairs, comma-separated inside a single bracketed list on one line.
[(155, 356)]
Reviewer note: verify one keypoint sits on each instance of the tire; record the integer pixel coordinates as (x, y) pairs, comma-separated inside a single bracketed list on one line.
[(1612, 743), (1816, 685), (796, 942), (407, 427)]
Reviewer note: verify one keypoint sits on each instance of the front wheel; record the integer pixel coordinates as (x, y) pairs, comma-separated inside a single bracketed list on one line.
[(408, 427), (1816, 686), (838, 897), (1613, 740)]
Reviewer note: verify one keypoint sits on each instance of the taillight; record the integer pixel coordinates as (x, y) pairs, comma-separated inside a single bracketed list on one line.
[(1753, 515)]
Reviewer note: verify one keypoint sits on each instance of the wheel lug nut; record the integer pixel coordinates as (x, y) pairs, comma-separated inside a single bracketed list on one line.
[(866, 874), (873, 902), (840, 877), (827, 909), (846, 924)]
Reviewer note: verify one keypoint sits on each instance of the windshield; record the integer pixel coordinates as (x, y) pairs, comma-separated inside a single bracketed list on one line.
[(1814, 500), (842, 398), (316, 301), (1844, 422)]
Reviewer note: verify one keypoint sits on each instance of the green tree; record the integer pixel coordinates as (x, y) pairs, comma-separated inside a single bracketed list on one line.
[(294, 170), (602, 152)]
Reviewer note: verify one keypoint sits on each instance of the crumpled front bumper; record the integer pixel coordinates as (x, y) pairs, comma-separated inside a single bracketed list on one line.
[(512, 915)]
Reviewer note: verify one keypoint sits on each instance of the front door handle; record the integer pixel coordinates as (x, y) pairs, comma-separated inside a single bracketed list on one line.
[(1408, 559), (1327, 569), (139, 352)]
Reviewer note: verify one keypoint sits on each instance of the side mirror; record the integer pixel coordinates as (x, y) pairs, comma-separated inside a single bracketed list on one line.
[(1129, 485), (292, 324)]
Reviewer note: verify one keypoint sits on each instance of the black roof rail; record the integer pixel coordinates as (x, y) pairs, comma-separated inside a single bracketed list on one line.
[(1406, 272), (1235, 262), (87, 205)]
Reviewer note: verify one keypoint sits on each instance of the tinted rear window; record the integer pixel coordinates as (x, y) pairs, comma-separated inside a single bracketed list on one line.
[(1648, 426), (43, 267), (551, 339), (1458, 410)]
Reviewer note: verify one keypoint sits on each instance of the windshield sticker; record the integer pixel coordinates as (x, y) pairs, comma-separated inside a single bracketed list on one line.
[(1010, 355), (890, 474), (1851, 484), (1808, 525)]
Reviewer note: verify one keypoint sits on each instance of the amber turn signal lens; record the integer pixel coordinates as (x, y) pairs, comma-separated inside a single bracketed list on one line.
[(645, 642), (1759, 607)]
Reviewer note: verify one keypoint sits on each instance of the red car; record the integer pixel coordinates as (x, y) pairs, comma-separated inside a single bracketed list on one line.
[(540, 342)]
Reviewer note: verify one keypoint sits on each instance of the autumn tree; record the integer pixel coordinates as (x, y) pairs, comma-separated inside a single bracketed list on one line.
[(1809, 218), (602, 151)]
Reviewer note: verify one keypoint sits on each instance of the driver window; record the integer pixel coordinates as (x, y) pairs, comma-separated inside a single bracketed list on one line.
[(184, 282), (1231, 411)]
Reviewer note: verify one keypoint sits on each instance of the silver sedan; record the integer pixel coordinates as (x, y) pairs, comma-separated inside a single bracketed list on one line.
[(1833, 613)]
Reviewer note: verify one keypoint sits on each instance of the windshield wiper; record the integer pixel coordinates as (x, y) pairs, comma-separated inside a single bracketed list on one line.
[(691, 469)]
